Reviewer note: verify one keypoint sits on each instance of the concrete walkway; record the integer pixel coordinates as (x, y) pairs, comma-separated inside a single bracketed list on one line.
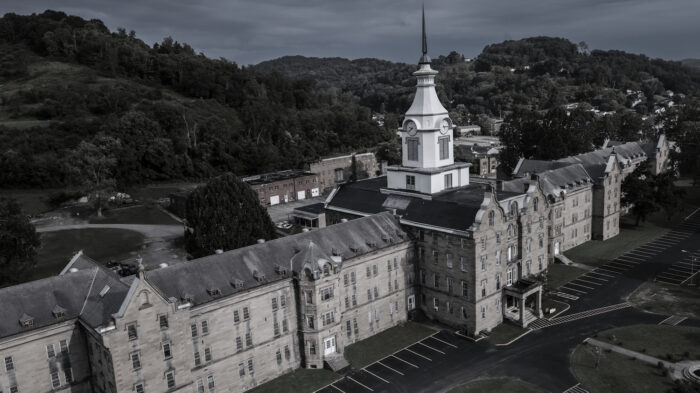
[(629, 352), (150, 231)]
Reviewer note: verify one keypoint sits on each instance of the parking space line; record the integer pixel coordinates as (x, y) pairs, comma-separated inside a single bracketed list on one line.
[(579, 285), (409, 363), (625, 265), (616, 269), (418, 354), (589, 282), (685, 263), (680, 269), (689, 277), (337, 388), (629, 259), (641, 254), (398, 372), (572, 289), (634, 257), (374, 375), (363, 385), (667, 282), (594, 278), (444, 342), (600, 274), (673, 273), (653, 246), (608, 271), (428, 346)]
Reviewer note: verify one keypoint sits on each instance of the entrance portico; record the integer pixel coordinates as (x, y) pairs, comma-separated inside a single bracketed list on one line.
[(522, 301)]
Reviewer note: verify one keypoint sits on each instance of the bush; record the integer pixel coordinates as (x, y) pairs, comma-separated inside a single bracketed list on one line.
[(57, 199)]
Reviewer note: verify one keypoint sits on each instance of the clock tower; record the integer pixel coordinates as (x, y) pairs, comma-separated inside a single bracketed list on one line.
[(427, 164)]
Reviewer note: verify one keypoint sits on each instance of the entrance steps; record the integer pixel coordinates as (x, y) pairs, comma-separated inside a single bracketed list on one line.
[(673, 320), (336, 362)]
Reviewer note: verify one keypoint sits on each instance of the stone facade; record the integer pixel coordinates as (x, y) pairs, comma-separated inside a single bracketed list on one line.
[(284, 186), (340, 169)]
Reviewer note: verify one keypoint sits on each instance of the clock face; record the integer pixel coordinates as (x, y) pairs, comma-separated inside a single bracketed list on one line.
[(411, 128), (445, 126)]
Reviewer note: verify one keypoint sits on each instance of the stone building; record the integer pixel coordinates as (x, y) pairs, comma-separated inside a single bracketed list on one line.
[(284, 186), (340, 169), (226, 322)]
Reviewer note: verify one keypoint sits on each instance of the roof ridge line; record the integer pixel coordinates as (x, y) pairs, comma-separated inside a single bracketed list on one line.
[(92, 283)]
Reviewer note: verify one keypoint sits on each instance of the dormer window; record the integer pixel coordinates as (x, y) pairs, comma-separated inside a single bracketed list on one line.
[(26, 321), (187, 298), (326, 270), (238, 284), (58, 312), (214, 292), (258, 276)]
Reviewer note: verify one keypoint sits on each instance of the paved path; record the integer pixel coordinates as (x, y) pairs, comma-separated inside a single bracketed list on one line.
[(628, 352), (151, 231)]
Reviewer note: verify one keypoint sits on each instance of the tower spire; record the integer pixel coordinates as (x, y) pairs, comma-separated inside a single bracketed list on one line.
[(425, 58)]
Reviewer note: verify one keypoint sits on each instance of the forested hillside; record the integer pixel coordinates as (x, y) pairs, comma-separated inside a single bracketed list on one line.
[(533, 73), (171, 113)]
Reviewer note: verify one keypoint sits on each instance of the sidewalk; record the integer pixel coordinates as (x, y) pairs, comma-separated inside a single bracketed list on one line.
[(628, 352)]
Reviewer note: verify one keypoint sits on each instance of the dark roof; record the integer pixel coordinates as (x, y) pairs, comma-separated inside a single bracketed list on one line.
[(276, 176), (455, 208), (78, 293), (315, 208), (259, 264), (554, 181), (537, 166)]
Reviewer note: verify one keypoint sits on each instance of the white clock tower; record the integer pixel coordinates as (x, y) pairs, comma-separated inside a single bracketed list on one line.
[(428, 163)]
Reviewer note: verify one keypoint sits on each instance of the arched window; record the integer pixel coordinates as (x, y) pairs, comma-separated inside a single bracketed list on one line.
[(511, 231), (535, 203), (513, 209), (326, 270), (492, 216)]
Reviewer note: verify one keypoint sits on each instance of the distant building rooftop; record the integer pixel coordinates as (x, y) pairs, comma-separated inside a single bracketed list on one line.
[(276, 176)]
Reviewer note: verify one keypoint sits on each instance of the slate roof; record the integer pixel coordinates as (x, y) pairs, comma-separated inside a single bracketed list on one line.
[(555, 181), (455, 208), (194, 280), (77, 293)]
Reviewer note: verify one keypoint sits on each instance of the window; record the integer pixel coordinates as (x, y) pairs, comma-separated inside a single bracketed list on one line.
[(355, 329), (287, 354), (352, 277), (436, 280), (540, 241), (210, 383), (465, 291), (396, 285), (50, 351), (274, 303), (444, 142), (131, 331), (326, 293), (312, 347), (410, 182), (348, 329), (250, 366), (539, 262), (236, 316), (205, 328), (326, 270), (163, 321), (283, 301), (68, 373), (436, 304), (483, 288), (193, 329), (138, 388), (389, 286), (412, 145), (388, 265), (197, 358), (498, 281), (498, 257), (248, 340), (279, 356), (492, 217), (55, 380), (207, 354), (241, 369), (167, 352), (449, 284), (276, 329), (369, 272), (135, 360), (375, 270), (436, 256), (509, 277), (170, 379), (528, 245), (448, 180), (354, 300), (239, 344), (376, 292), (309, 296), (498, 237), (200, 385), (462, 264), (246, 314), (346, 282), (483, 243), (483, 312), (448, 260), (483, 262), (64, 346), (535, 204)]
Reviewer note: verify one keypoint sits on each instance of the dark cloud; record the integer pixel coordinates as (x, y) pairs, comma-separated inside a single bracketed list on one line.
[(249, 31)]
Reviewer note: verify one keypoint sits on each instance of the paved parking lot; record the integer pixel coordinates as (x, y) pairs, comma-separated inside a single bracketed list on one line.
[(419, 357)]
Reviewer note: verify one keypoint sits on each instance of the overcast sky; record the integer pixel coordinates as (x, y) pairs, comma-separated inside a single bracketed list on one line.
[(250, 31)]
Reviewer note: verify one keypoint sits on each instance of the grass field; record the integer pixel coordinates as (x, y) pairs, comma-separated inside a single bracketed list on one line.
[(616, 373), (559, 274), (142, 214), (301, 380), (385, 343), (505, 333), (665, 342), (497, 385), (667, 299), (102, 245)]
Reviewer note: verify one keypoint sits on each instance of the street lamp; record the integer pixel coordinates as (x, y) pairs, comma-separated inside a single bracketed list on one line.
[(693, 257)]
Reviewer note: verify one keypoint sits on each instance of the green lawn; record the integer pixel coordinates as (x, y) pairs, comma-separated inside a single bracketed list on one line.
[(385, 343), (102, 245), (597, 253), (548, 303), (661, 341), (505, 333), (497, 385), (559, 274), (142, 214), (616, 373), (301, 380), (667, 299)]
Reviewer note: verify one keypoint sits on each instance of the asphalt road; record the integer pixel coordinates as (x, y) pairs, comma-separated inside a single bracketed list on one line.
[(446, 360)]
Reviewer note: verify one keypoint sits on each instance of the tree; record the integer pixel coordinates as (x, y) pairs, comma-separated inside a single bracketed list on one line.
[(668, 197), (18, 243), (92, 165), (225, 214), (638, 192)]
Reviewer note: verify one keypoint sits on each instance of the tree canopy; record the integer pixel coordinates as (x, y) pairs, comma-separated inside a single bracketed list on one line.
[(18, 243), (225, 214)]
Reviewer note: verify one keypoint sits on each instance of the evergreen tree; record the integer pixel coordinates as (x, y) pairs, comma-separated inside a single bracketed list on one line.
[(638, 192), (225, 214), (18, 243)]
